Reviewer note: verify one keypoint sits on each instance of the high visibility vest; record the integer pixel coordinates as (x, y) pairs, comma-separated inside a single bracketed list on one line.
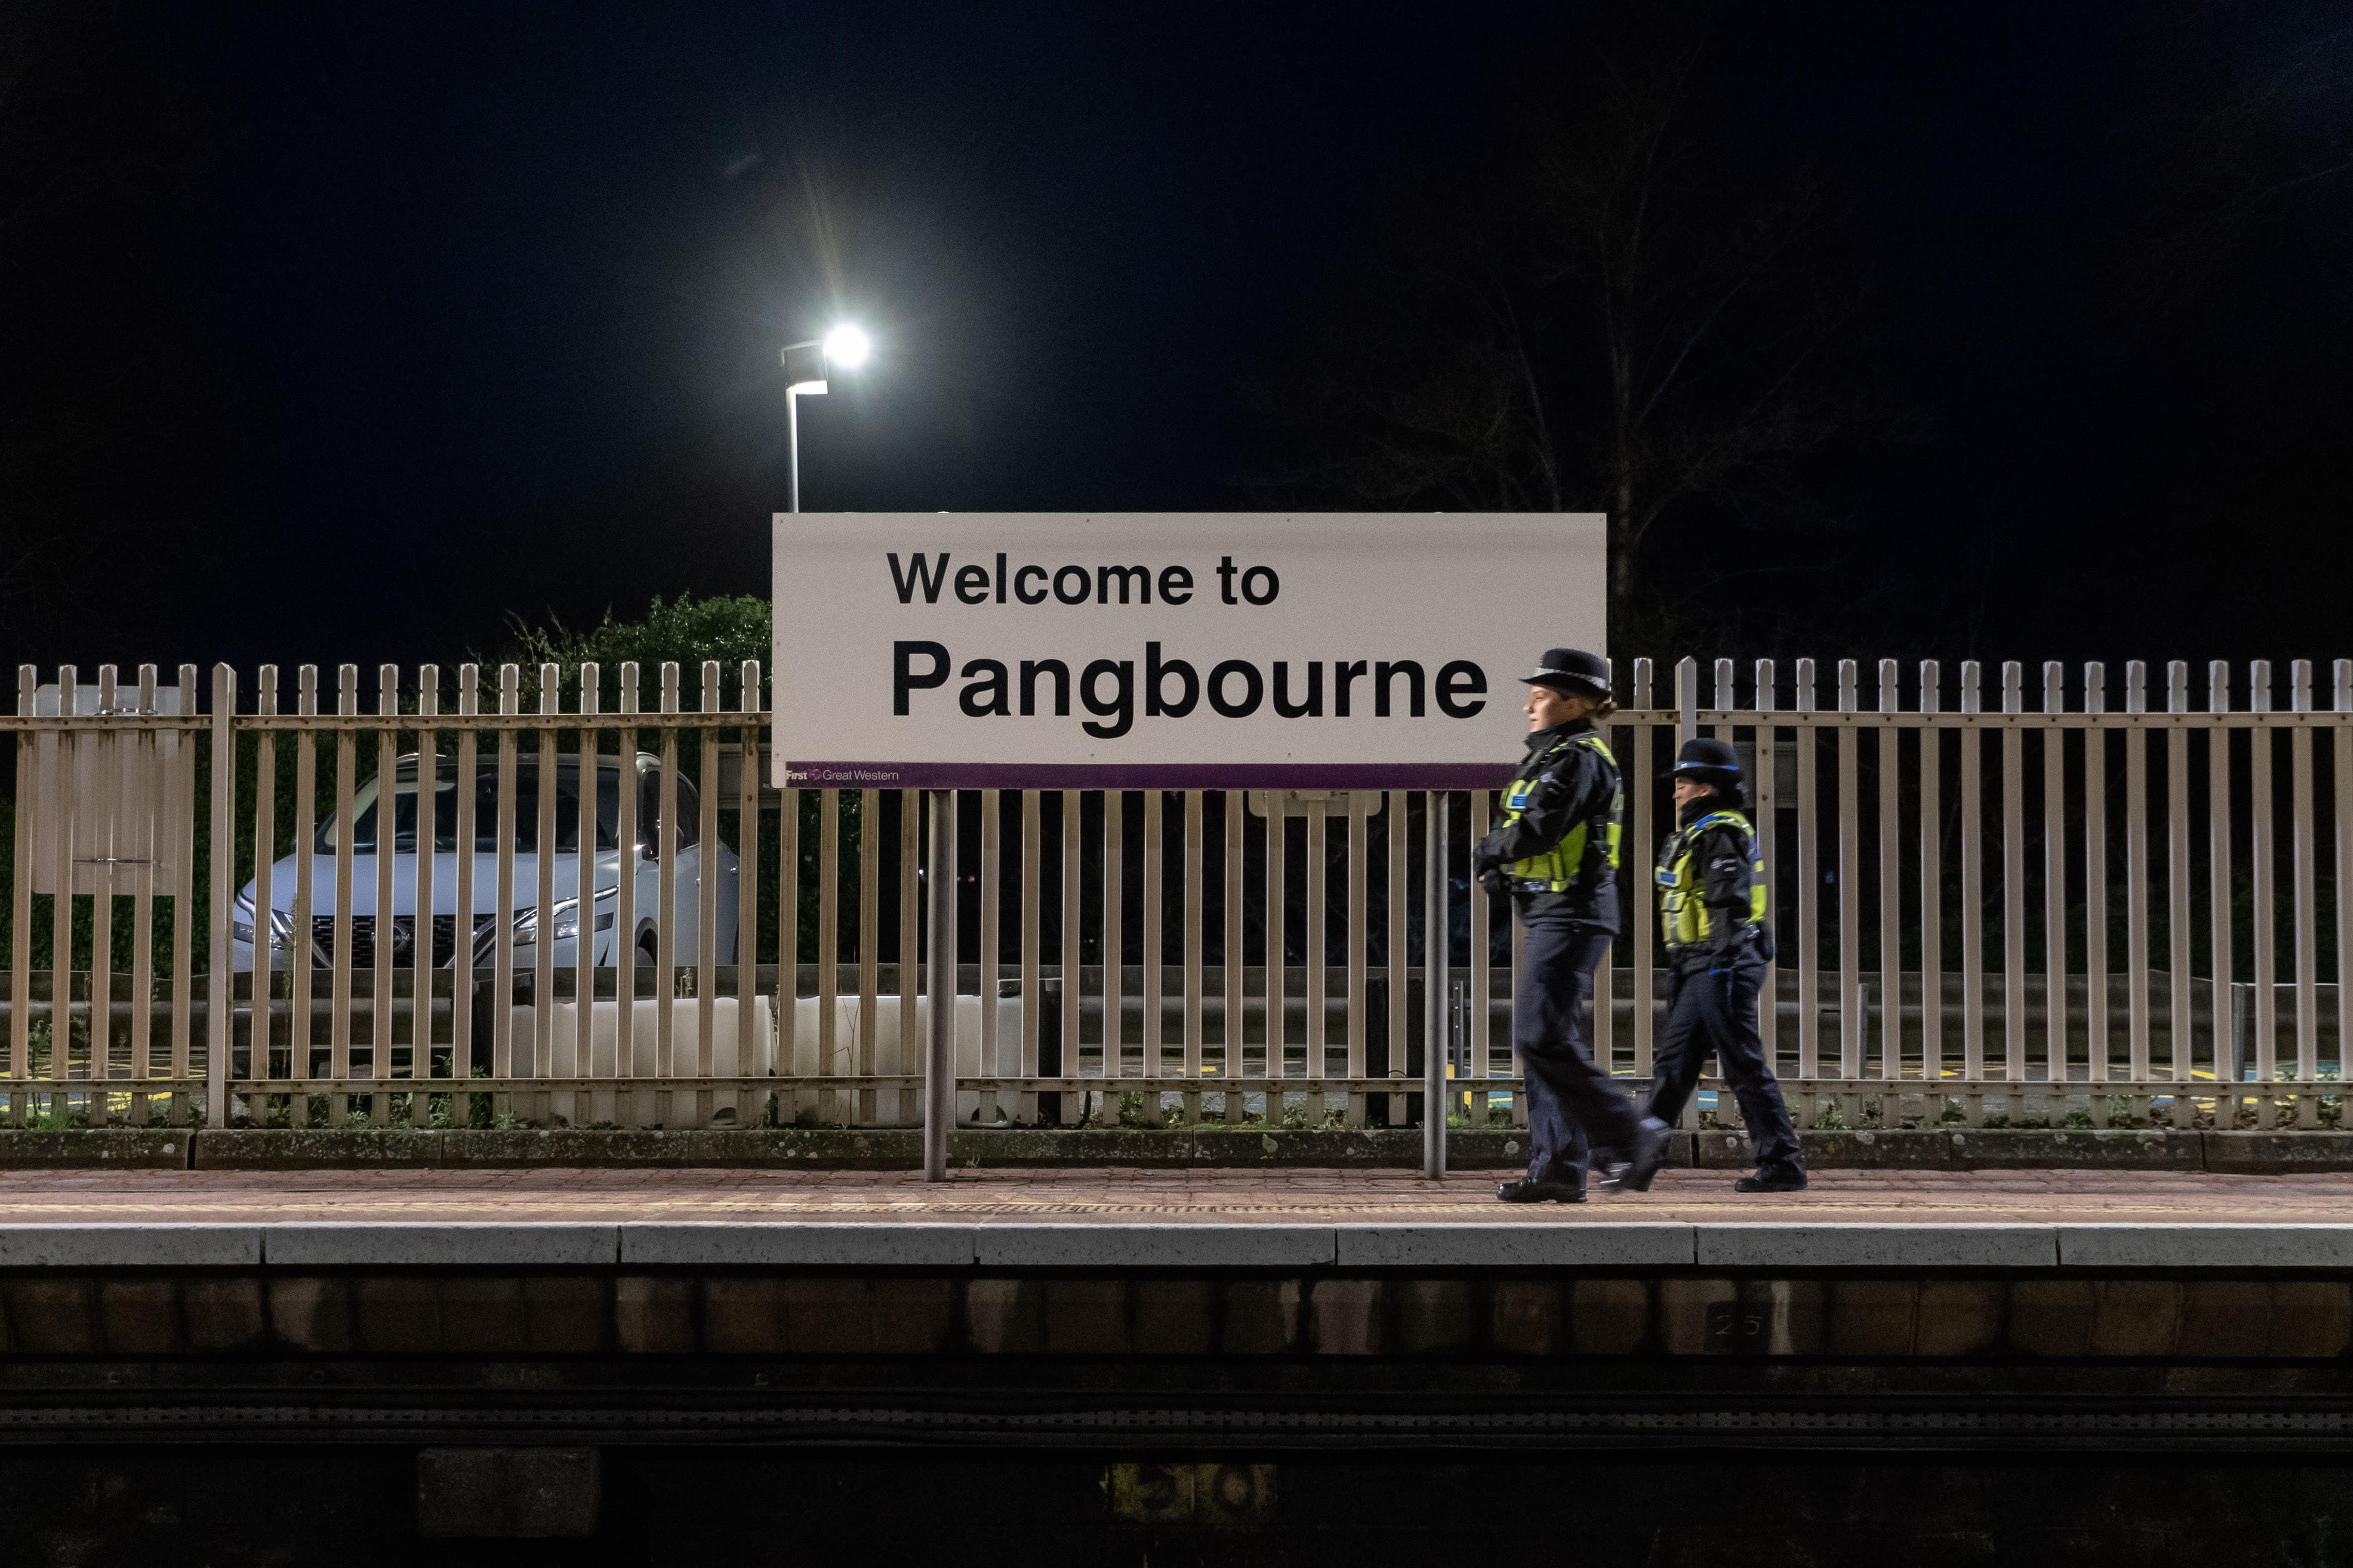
[(1683, 905), (1566, 864)]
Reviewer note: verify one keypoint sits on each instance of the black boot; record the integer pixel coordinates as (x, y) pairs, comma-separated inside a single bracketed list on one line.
[(1772, 1182), (1527, 1192), (1652, 1140)]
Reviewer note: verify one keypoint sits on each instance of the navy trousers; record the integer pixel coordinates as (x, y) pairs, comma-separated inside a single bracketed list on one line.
[(1717, 1012), (1575, 1110)]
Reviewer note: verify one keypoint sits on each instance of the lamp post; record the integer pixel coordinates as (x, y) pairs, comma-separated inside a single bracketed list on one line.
[(846, 346)]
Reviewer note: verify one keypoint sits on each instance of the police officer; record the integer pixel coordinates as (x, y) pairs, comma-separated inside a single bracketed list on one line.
[(1711, 883), (1555, 852)]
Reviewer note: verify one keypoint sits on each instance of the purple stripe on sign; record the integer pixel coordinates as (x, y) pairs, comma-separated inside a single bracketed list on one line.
[(1148, 775)]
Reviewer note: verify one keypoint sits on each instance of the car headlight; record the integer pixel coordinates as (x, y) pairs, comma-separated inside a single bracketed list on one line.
[(567, 918), (240, 924)]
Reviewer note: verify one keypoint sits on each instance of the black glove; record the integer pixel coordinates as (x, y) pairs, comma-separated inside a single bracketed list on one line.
[(1495, 881)]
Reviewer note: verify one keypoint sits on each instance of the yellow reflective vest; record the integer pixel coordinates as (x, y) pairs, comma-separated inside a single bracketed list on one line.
[(1682, 891), (1564, 864)]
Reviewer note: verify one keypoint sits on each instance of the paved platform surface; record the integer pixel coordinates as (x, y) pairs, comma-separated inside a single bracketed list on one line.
[(1218, 1198)]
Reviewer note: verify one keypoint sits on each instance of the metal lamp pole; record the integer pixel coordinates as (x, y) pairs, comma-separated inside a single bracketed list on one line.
[(793, 395), (845, 346), (848, 346)]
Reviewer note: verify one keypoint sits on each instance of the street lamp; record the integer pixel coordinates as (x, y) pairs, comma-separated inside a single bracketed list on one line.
[(846, 346)]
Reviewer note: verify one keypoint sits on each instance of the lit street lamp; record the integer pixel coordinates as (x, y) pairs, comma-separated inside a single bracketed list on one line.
[(846, 346)]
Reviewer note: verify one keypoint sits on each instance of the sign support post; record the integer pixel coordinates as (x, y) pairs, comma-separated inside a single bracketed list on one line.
[(939, 1045)]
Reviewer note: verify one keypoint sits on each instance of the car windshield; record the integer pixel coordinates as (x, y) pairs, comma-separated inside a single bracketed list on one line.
[(365, 813)]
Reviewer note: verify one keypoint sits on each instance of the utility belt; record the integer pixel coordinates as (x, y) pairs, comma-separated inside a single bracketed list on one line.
[(1537, 887), (1755, 941)]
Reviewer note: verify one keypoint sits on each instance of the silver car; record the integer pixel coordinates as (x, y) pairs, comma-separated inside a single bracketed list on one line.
[(691, 861)]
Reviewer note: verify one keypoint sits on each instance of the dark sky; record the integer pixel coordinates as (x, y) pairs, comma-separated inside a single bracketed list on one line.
[(340, 331)]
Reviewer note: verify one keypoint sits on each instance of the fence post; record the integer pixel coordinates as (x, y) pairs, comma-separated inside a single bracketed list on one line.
[(2263, 871), (20, 965), (2137, 876), (1848, 875), (2177, 884), (1433, 963), (1809, 884), (221, 1027), (1972, 894), (2304, 899), (1891, 882), (2013, 882), (939, 1063), (2095, 889), (2055, 882), (2341, 790), (2220, 964), (1932, 885)]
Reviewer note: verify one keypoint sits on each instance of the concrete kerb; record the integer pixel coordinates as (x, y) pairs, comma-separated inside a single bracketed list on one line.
[(1495, 1245), (1925, 1245), (313, 1148), (1016, 1245), (1471, 1245), (2074, 1148), (2192, 1245), (130, 1245), (2265, 1153), (814, 1244), (99, 1148), (461, 1244)]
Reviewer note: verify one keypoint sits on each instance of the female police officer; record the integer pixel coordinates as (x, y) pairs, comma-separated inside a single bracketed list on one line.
[(1712, 912), (1555, 852)]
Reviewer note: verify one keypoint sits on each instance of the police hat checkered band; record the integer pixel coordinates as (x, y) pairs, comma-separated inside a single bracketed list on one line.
[(1702, 754), (1553, 672)]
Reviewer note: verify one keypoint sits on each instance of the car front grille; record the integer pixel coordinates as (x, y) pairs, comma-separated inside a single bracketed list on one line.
[(404, 938), (322, 932)]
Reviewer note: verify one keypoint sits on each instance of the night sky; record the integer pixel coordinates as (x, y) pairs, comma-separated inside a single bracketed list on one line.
[(340, 332)]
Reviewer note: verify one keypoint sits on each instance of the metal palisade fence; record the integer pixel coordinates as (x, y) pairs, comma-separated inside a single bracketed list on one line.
[(554, 898)]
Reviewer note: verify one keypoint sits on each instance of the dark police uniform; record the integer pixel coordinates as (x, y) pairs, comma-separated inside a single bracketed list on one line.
[(1555, 851), (1711, 886)]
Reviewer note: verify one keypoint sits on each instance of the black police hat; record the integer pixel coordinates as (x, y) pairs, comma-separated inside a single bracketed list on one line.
[(1702, 755), (1714, 764), (1572, 670)]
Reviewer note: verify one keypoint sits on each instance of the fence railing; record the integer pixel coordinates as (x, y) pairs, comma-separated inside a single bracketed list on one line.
[(2102, 908)]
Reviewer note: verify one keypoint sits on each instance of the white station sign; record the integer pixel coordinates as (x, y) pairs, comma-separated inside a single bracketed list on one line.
[(988, 650)]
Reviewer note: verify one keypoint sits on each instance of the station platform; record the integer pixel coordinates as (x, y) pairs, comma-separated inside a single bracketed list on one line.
[(1148, 1219), (1155, 1196)]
